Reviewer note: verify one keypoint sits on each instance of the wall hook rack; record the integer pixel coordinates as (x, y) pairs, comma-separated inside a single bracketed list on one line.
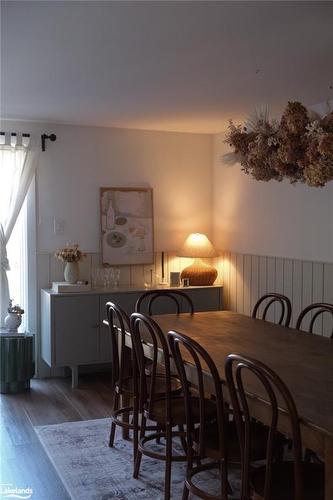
[(52, 138)]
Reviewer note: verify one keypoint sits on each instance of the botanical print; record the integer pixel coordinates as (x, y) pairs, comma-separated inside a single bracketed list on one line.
[(127, 226)]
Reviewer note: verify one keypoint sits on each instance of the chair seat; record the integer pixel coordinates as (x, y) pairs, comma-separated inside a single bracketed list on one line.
[(178, 410), (259, 435), (128, 385), (283, 481)]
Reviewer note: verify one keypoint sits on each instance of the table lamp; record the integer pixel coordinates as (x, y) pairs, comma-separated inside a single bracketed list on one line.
[(199, 273)]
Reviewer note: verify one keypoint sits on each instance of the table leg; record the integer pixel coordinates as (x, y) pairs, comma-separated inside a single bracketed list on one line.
[(75, 376), (328, 468)]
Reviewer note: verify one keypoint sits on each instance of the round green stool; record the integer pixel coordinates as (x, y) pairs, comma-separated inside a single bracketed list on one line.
[(16, 361)]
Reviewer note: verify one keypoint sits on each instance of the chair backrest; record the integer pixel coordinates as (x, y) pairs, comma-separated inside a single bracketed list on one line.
[(317, 310), (238, 369), (119, 324), (177, 297), (148, 336), (267, 301), (184, 349)]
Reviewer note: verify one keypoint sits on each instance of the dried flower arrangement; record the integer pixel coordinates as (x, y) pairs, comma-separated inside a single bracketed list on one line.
[(299, 147), (70, 254), (15, 309)]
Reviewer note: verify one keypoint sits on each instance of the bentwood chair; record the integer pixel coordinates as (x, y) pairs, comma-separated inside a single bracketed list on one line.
[(124, 377), (316, 310), (267, 301), (168, 411), (176, 298), (282, 480), (218, 440)]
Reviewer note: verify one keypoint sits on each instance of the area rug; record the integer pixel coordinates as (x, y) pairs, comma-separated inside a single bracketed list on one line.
[(90, 470)]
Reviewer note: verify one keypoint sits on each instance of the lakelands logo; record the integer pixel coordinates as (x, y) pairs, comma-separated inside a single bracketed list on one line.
[(10, 491)]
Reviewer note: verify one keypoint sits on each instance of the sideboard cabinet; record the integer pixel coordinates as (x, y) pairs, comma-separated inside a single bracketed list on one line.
[(72, 330)]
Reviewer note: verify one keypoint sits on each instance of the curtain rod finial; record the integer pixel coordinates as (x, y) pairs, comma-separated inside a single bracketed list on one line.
[(52, 138)]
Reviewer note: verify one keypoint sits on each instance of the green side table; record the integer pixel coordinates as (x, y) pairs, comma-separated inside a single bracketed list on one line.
[(16, 357)]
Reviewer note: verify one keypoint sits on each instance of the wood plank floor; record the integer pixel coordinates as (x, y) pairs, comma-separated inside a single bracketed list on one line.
[(23, 461)]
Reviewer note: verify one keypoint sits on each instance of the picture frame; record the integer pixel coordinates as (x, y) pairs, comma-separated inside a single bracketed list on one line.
[(127, 226), (174, 278)]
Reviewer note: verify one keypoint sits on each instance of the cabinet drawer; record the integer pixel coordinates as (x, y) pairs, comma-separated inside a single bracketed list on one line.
[(205, 299)]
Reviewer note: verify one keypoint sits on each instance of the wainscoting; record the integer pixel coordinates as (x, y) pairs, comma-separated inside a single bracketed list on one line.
[(245, 278)]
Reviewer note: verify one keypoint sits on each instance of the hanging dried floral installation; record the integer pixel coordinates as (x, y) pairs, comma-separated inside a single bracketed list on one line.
[(299, 147)]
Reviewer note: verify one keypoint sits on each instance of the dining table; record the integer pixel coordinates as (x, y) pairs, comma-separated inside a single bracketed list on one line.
[(303, 361)]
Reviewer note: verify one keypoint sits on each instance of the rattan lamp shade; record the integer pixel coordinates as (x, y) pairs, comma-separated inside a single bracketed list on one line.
[(198, 246)]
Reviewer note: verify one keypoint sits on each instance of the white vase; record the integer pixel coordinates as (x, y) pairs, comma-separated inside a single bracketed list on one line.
[(13, 321), (71, 272)]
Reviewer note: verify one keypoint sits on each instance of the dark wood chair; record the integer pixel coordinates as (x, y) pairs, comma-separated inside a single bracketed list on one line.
[(208, 440), (178, 298), (167, 411), (218, 440), (267, 300), (316, 310), (282, 480), (123, 378)]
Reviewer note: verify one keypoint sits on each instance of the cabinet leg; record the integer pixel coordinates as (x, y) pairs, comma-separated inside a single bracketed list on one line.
[(75, 376)]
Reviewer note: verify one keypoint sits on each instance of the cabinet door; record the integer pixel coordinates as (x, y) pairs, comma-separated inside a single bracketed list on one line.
[(204, 299), (76, 328)]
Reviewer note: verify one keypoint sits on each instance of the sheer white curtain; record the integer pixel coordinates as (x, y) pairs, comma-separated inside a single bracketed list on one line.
[(17, 168)]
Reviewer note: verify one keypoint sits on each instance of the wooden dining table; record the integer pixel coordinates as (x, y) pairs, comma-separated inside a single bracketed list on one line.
[(304, 362)]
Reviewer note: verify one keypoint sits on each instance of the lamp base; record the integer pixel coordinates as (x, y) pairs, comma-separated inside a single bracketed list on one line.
[(199, 273)]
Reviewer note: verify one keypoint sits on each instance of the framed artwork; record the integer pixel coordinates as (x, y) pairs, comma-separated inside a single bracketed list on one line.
[(127, 225)]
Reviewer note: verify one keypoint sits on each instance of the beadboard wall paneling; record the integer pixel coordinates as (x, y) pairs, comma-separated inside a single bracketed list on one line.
[(245, 278)]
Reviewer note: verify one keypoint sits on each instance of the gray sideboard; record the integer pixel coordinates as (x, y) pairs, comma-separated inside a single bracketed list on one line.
[(72, 330)]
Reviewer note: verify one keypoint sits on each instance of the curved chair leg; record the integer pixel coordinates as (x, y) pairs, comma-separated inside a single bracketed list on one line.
[(158, 439), (125, 402), (225, 486), (113, 425), (182, 438), (135, 428), (185, 493), (168, 464), (139, 454)]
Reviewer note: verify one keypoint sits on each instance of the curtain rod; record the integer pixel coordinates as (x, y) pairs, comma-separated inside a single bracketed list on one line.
[(13, 135), (25, 138)]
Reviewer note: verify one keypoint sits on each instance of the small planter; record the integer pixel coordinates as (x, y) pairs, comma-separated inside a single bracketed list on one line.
[(13, 321)]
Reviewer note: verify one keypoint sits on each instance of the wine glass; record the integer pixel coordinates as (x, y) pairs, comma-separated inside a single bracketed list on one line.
[(95, 276), (116, 276)]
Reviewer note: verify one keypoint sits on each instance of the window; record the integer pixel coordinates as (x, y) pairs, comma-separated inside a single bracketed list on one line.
[(17, 256), (11, 164)]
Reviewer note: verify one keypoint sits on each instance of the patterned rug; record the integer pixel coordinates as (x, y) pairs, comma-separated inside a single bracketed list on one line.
[(90, 470)]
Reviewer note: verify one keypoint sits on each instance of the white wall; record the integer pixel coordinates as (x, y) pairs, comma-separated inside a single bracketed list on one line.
[(70, 172), (177, 166), (270, 218)]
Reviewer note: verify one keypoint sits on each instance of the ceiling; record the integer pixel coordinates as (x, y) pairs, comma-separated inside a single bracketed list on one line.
[(180, 66)]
